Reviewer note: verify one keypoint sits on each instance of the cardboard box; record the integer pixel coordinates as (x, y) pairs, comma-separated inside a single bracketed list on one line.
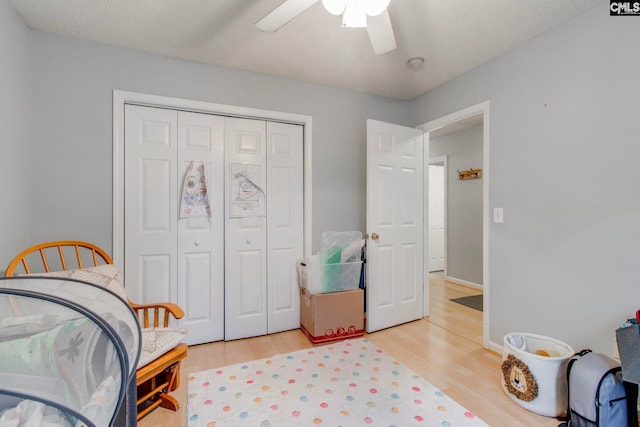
[(336, 316)]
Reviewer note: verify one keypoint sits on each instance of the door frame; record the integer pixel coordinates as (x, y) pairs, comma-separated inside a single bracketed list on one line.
[(443, 160), (483, 108), (121, 97)]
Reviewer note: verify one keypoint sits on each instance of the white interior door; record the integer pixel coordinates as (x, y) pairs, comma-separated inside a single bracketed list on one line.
[(200, 259), (285, 222), (167, 258), (246, 232), (150, 204), (436, 216), (395, 204)]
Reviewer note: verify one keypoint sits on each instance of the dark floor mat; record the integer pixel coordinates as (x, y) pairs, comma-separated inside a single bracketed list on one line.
[(473, 301)]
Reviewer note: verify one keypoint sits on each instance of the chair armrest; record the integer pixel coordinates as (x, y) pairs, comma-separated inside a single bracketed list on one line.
[(160, 313)]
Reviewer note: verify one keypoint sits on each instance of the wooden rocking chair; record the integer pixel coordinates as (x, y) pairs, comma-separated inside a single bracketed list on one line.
[(156, 379)]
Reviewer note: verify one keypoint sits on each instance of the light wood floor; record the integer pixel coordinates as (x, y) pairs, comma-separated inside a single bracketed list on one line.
[(451, 315), (453, 362)]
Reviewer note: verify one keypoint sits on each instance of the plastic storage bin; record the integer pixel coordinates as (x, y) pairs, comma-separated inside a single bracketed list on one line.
[(324, 278), (533, 372)]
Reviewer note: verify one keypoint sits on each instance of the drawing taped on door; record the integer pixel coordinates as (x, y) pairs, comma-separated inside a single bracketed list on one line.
[(246, 197)]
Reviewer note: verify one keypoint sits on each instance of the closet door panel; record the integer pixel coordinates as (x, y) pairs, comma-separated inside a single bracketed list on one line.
[(155, 269), (195, 277), (249, 270), (200, 284), (281, 298), (245, 231), (284, 224), (150, 212)]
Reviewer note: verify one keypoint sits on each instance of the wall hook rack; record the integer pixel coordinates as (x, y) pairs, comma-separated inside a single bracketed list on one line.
[(470, 174)]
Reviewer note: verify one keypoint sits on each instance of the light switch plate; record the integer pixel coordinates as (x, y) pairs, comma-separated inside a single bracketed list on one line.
[(498, 215)]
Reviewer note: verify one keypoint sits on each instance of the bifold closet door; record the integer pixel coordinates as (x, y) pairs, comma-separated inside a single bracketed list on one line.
[(168, 258), (245, 231), (264, 226), (285, 224), (200, 284)]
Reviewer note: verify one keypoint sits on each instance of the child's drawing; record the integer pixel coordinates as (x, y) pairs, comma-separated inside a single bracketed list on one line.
[(247, 198)]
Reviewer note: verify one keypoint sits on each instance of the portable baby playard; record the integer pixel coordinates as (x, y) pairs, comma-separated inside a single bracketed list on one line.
[(68, 352), (533, 372), (158, 371)]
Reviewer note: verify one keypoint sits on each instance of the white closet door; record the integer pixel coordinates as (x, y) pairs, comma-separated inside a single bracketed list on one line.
[(245, 231), (167, 258), (200, 283), (151, 209), (284, 224)]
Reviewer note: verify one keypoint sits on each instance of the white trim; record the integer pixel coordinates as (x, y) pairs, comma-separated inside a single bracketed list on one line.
[(120, 98), (463, 282), (482, 107), (497, 347), (438, 159)]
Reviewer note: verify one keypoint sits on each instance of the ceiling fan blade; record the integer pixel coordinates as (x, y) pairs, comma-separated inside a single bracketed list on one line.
[(381, 33), (283, 14)]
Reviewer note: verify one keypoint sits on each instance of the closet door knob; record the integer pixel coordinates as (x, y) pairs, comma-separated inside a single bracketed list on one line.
[(248, 242), (197, 243)]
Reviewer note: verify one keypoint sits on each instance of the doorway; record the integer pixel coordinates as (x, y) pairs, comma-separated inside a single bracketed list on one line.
[(463, 277), (437, 215)]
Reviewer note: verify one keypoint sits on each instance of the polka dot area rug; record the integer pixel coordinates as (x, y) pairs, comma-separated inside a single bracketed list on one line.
[(350, 383)]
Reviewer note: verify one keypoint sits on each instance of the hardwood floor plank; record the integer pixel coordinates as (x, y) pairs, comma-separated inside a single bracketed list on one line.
[(451, 315)]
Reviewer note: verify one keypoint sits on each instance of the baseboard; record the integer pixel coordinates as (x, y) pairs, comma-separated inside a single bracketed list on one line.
[(463, 282), (495, 347)]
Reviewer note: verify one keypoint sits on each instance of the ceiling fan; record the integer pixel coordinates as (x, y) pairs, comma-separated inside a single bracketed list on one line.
[(371, 14)]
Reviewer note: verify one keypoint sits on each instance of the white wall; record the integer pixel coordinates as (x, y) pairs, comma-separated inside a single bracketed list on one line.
[(15, 120), (464, 202), (564, 146), (72, 137)]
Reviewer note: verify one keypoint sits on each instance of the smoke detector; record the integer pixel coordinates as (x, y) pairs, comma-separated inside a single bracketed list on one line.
[(416, 63)]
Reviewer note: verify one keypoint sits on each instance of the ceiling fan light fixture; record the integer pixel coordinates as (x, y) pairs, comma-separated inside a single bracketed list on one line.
[(335, 7), (355, 14), (376, 7)]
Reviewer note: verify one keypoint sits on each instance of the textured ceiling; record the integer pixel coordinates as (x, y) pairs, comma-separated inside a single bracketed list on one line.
[(452, 35)]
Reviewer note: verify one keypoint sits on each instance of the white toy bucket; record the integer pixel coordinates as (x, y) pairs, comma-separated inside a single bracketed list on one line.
[(534, 372)]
